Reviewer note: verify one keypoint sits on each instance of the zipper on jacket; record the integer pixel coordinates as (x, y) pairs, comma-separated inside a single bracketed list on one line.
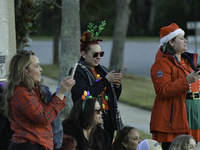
[(170, 121)]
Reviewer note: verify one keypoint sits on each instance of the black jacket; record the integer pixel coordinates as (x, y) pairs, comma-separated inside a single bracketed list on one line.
[(83, 83), (76, 131)]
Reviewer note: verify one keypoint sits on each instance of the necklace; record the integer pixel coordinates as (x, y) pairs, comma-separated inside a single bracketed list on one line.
[(105, 103)]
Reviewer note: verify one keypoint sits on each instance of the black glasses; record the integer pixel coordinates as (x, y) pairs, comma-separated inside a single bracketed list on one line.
[(96, 54), (98, 110)]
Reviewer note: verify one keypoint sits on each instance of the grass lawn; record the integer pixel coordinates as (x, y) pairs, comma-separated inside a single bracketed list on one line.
[(137, 90)]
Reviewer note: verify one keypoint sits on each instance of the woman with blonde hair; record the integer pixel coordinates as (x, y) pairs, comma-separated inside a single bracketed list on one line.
[(27, 104), (183, 142)]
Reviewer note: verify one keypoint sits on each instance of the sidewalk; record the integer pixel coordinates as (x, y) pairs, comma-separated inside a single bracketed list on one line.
[(132, 116)]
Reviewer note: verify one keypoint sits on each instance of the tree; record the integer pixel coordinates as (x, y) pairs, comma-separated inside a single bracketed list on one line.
[(56, 30), (26, 14), (8, 40), (120, 30), (152, 15), (95, 12), (70, 43)]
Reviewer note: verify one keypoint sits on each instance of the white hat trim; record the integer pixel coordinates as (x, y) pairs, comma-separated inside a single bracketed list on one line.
[(170, 36)]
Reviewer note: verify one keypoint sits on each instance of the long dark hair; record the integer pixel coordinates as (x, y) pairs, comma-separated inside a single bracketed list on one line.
[(85, 119), (122, 137)]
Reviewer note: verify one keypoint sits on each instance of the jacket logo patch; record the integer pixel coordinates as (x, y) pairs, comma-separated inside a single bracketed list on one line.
[(159, 74)]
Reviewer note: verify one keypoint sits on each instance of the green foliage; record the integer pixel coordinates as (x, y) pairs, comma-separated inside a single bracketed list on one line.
[(26, 14), (166, 12), (95, 11), (173, 11)]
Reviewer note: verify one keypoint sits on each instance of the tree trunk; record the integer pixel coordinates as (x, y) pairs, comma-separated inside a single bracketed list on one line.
[(7, 38), (70, 43), (56, 30), (152, 15), (120, 30)]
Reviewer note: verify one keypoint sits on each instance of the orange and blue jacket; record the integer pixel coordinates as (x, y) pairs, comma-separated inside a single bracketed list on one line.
[(169, 110)]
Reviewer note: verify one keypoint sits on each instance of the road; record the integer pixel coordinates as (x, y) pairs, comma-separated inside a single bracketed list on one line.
[(139, 56)]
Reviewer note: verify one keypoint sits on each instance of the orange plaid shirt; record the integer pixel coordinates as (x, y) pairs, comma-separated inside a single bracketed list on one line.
[(31, 118)]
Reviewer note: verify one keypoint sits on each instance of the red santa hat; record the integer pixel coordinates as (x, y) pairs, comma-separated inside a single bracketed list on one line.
[(167, 33)]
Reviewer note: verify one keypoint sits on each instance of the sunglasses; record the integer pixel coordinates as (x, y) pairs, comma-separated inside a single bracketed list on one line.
[(96, 54), (98, 110)]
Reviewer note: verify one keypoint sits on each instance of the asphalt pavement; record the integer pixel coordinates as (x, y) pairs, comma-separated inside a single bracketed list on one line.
[(138, 57)]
